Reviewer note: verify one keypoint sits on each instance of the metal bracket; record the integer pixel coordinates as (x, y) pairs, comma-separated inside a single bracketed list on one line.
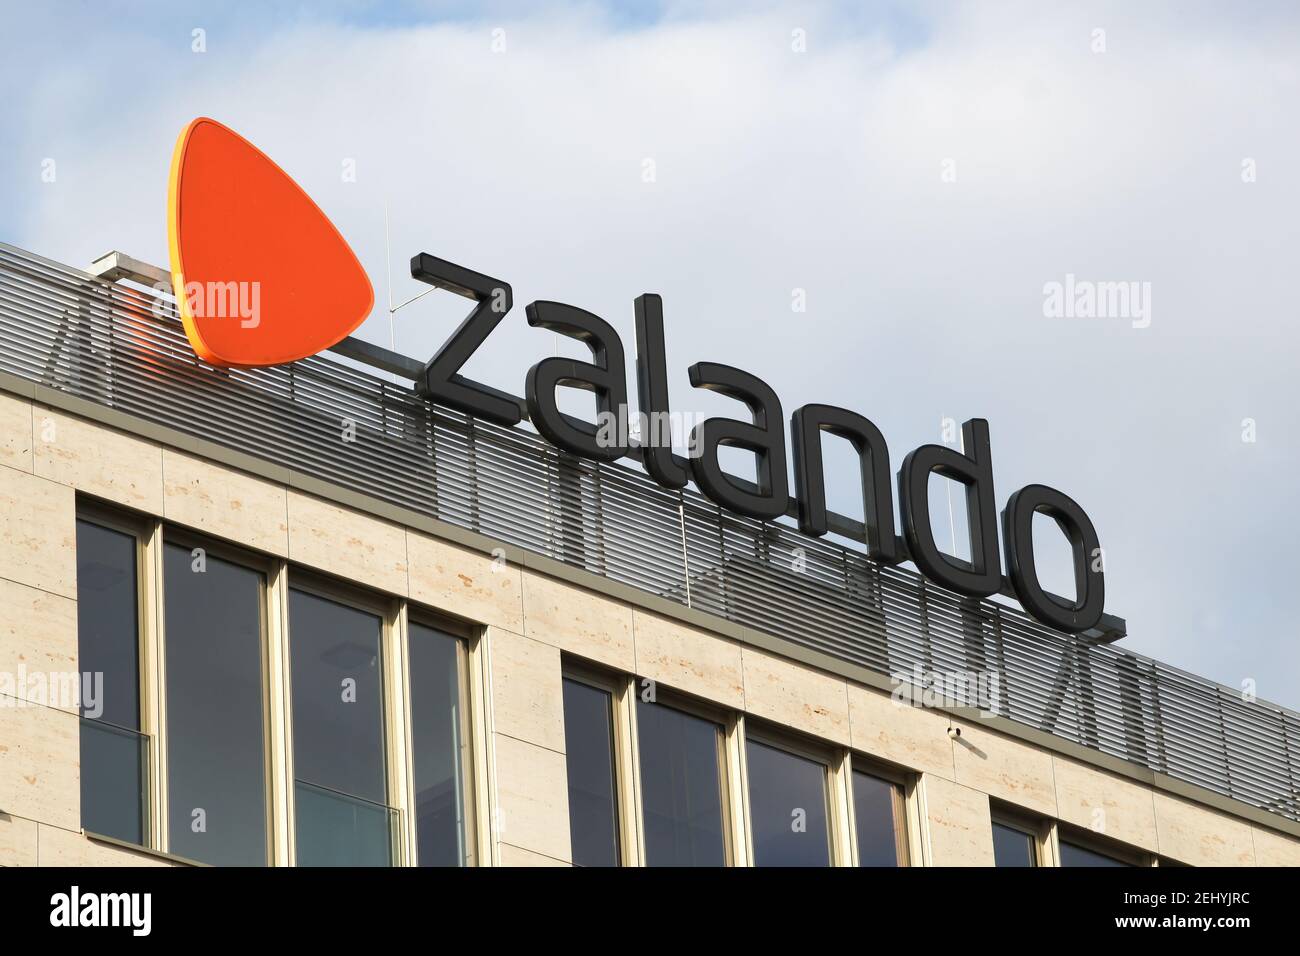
[(116, 266)]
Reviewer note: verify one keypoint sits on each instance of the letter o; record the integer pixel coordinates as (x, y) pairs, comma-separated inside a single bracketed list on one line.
[(1018, 542)]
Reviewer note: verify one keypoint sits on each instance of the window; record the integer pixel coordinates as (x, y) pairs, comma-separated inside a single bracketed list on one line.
[(879, 820), (593, 789), (439, 739), (340, 783), (788, 805), (1082, 851), (1019, 840), (1014, 844), (216, 744), (682, 793), (114, 751), (196, 654)]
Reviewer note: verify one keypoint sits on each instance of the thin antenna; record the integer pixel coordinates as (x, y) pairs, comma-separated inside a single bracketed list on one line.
[(388, 258), (952, 521), (388, 265)]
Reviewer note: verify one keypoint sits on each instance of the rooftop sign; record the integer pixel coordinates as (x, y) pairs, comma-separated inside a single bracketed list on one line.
[(239, 222)]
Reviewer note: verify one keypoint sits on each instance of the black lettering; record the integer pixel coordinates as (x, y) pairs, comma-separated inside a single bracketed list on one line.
[(652, 392), (764, 437), (441, 381), (605, 376), (975, 471), (1089, 573), (806, 427)]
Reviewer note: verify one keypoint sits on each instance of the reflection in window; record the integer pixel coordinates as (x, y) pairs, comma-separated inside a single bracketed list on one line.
[(1074, 855), (875, 809), (113, 750), (589, 754), (681, 787), (788, 808), (216, 753), (340, 791), (1013, 846), (440, 759)]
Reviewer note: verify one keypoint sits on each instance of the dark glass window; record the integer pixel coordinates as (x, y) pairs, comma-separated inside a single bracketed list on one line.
[(340, 791), (681, 787), (113, 750), (437, 731), (1013, 846), (216, 751), (787, 805), (1074, 855), (589, 753), (874, 809)]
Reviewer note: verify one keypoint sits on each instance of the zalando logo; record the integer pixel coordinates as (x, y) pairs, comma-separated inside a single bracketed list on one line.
[(237, 221), (246, 242)]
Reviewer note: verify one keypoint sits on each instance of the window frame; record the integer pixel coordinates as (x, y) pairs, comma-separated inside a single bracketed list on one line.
[(1101, 845), (465, 636), (390, 611), (730, 756), (1041, 831), (620, 688), (831, 760), (901, 782), (266, 567), (146, 532)]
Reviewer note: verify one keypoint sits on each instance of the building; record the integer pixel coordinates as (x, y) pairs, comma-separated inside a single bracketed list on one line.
[(324, 621)]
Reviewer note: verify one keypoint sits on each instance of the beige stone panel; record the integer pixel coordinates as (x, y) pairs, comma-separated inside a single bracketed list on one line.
[(339, 541), (225, 503), (98, 460), (912, 737), (1005, 768), (517, 856), (527, 689), (1275, 849), (15, 432), (959, 829), (796, 696), (465, 583), (38, 638), (689, 660), (1104, 803), (38, 533), (59, 847), (40, 776), (532, 798), (578, 621), (1202, 837), (17, 841)]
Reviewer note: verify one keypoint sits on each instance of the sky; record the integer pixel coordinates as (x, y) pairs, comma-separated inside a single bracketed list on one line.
[(917, 175)]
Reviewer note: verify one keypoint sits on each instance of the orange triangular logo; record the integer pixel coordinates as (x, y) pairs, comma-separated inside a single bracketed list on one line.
[(261, 276)]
